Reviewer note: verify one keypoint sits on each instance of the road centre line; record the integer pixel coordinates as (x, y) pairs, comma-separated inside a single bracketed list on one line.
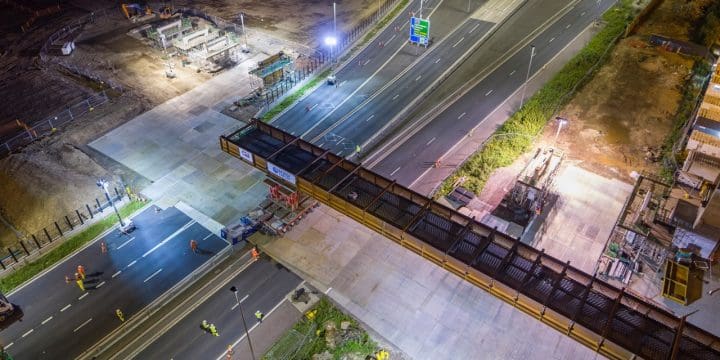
[(511, 74), (459, 41), (65, 308), (551, 40), (125, 243), (83, 296), (83, 324), (180, 230), (208, 235), (461, 115), (46, 320), (437, 61), (28, 333), (418, 78), (431, 140), (489, 92), (116, 274), (366, 62), (152, 276), (100, 284), (568, 26), (473, 29), (396, 96), (313, 107), (368, 119), (394, 171), (131, 263)]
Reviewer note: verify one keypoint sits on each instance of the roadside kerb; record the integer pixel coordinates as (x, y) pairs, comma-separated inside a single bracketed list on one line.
[(388, 146), (377, 92), (379, 135), (321, 69), (55, 244), (437, 186), (146, 313)]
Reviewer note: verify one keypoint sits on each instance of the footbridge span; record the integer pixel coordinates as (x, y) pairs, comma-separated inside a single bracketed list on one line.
[(609, 320)]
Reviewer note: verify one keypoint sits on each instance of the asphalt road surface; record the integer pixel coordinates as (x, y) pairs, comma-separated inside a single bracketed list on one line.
[(61, 321), (375, 114), (374, 67), (408, 162), (262, 286)]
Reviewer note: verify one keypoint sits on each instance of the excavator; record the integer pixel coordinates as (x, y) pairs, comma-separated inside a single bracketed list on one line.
[(133, 10)]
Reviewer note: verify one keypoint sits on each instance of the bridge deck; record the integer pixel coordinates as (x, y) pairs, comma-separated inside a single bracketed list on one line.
[(607, 319)]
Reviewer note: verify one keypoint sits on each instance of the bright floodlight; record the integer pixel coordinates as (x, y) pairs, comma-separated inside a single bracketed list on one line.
[(330, 41)]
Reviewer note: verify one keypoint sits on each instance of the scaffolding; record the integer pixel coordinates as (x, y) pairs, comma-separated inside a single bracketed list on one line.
[(609, 320)]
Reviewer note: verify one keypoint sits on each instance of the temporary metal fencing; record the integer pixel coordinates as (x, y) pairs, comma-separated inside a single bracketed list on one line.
[(58, 229), (608, 320)]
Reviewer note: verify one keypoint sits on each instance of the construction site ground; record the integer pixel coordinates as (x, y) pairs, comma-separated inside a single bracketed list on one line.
[(617, 123), (55, 175)]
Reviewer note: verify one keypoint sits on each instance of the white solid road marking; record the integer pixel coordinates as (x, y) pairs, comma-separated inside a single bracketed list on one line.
[(418, 78), (83, 296), (313, 107), (9, 345), (153, 275), (430, 142), (65, 308), (185, 227), (100, 284), (511, 74), (131, 264), (568, 26), (125, 243), (368, 119), (473, 29), (457, 43), (437, 61), (396, 96), (116, 274), (28, 333), (551, 40), (83, 324), (208, 235), (396, 170), (488, 93), (460, 116), (46, 320)]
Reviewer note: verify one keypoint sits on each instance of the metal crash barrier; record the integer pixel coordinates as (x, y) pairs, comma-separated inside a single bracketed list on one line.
[(610, 321)]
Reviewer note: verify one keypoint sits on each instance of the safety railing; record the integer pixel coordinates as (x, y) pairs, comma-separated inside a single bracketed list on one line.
[(607, 319)]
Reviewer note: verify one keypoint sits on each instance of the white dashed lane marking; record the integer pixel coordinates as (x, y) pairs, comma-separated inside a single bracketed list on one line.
[(65, 308), (153, 275), (46, 320), (116, 274), (459, 41), (28, 333), (83, 324), (83, 296), (132, 263), (125, 243), (461, 116), (488, 93), (430, 142)]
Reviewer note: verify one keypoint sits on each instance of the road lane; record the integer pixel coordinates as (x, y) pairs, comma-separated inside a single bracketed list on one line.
[(262, 286), (415, 156), (61, 319)]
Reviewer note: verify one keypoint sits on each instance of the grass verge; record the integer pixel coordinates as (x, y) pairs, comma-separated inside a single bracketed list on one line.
[(292, 98), (32, 268), (500, 150), (309, 336)]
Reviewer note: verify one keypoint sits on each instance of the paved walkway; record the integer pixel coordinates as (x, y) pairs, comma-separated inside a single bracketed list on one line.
[(422, 309)]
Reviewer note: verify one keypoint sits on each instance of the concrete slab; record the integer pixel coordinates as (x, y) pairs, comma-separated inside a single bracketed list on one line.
[(422, 309)]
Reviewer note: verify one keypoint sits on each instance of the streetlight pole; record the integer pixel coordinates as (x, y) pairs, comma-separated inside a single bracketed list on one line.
[(334, 55), (103, 184), (242, 23), (242, 316), (527, 77), (561, 122), (421, 6)]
